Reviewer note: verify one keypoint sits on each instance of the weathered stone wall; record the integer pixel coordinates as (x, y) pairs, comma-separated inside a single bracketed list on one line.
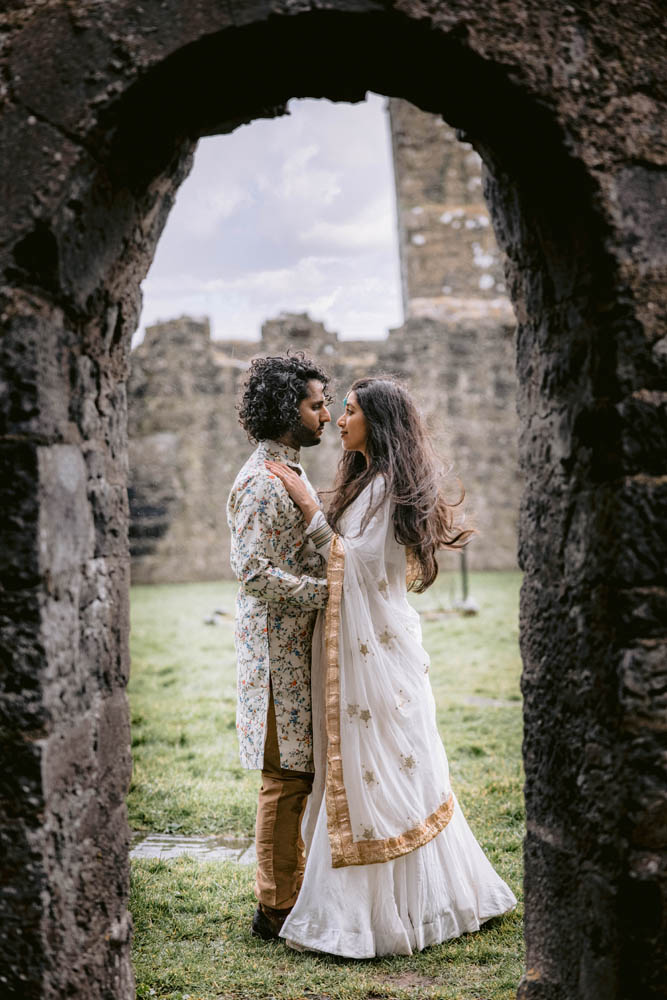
[(456, 352), (186, 444), (462, 372), (448, 249), (566, 105), (457, 344)]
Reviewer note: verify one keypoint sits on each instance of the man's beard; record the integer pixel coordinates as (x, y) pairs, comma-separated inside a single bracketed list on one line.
[(306, 438)]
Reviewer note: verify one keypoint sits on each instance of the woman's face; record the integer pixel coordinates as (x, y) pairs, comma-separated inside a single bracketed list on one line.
[(352, 424)]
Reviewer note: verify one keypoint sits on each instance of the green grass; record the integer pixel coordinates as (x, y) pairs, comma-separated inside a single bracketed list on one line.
[(187, 777), (191, 919)]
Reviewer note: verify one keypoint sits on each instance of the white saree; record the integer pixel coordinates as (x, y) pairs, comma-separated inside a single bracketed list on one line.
[(392, 865)]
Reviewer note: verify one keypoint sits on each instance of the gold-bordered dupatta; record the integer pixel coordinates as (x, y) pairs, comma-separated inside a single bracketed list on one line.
[(387, 779)]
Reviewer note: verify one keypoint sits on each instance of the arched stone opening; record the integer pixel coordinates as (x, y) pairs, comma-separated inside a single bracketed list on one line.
[(101, 131)]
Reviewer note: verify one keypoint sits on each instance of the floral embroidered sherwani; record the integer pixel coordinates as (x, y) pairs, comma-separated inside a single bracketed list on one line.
[(282, 587)]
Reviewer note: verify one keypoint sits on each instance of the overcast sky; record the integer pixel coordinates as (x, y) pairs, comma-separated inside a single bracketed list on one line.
[(293, 214)]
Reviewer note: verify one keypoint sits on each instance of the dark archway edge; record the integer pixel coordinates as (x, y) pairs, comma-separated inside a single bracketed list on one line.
[(102, 108)]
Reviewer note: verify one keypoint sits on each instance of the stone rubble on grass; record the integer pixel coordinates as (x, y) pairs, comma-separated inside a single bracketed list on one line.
[(203, 848)]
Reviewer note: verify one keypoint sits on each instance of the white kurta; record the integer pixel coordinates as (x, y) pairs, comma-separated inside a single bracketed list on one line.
[(392, 864), (282, 586)]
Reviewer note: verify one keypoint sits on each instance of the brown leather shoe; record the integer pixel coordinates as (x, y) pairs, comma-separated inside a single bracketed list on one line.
[(267, 922)]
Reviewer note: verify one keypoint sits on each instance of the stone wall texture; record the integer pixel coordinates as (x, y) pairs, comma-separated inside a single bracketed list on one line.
[(186, 444), (449, 254), (566, 106)]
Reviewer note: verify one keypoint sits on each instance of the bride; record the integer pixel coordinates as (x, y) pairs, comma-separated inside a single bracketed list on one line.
[(392, 865)]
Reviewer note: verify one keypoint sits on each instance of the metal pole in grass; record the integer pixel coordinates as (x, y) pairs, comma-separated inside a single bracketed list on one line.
[(467, 605)]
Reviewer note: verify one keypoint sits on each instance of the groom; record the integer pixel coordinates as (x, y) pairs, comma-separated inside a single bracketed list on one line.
[(283, 408)]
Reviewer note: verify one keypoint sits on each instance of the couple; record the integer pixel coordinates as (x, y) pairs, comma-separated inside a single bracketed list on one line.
[(389, 864)]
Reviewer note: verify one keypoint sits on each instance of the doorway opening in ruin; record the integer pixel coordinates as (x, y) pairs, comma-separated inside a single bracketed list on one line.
[(456, 352)]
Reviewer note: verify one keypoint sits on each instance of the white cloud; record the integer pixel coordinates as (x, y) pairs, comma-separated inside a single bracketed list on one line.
[(304, 181), (208, 210), (292, 214), (372, 228), (328, 288)]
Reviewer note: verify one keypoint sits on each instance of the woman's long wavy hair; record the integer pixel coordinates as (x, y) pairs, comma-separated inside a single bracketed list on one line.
[(399, 449)]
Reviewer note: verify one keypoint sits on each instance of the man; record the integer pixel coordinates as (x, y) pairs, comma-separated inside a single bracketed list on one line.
[(283, 408)]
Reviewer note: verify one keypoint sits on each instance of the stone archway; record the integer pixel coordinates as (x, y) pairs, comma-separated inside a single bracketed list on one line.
[(101, 105)]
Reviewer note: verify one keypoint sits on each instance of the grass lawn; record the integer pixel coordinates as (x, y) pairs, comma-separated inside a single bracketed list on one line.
[(191, 919)]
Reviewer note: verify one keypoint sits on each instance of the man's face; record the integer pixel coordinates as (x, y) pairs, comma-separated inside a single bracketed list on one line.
[(314, 415)]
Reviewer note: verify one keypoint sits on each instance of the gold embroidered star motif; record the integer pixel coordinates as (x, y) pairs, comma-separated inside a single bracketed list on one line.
[(382, 587), (386, 637), (363, 649), (403, 700), (369, 778), (409, 763), (368, 833), (365, 715), (352, 710)]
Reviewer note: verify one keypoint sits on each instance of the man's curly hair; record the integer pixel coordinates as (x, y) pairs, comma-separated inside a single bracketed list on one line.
[(272, 391)]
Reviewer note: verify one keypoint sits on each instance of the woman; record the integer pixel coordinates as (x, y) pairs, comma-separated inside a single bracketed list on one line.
[(392, 865)]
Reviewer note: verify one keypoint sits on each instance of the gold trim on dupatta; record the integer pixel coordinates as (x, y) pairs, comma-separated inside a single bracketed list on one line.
[(344, 849)]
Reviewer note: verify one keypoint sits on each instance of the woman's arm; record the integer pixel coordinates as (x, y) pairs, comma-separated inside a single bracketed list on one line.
[(317, 528), (320, 533)]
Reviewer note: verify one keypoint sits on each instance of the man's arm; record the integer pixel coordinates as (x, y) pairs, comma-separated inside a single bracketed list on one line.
[(259, 549)]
